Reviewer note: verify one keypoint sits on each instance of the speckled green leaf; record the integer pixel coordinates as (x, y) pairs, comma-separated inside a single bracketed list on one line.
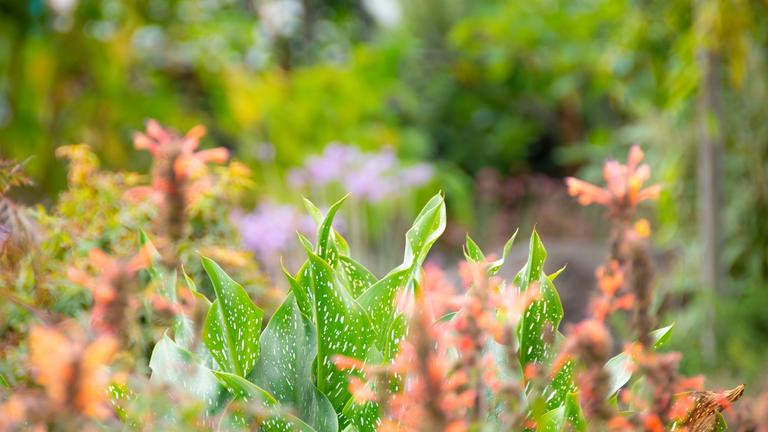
[(720, 424), (495, 266), (552, 421), (560, 387), (355, 275), (232, 326), (343, 327), (301, 290), (426, 229), (326, 246), (547, 311), (284, 369), (379, 299), (242, 389), (573, 413), (620, 366), (472, 252), (174, 366), (379, 302)]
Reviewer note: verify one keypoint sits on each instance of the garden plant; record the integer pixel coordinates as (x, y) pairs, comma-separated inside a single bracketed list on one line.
[(130, 304)]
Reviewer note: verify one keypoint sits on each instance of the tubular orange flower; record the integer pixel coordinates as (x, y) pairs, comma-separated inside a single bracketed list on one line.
[(624, 184), (72, 371)]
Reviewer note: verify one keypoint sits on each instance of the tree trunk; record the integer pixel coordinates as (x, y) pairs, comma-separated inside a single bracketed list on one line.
[(709, 162)]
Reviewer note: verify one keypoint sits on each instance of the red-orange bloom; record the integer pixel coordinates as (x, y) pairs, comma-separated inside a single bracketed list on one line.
[(624, 184)]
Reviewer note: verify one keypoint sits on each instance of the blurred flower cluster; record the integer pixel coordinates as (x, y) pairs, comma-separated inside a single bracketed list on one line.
[(367, 176), (270, 230)]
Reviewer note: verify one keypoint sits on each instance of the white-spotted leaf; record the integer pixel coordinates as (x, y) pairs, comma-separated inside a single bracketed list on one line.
[(232, 326)]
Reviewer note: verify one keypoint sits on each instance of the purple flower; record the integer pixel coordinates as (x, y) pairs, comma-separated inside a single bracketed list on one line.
[(368, 176), (331, 164), (416, 175), (271, 229)]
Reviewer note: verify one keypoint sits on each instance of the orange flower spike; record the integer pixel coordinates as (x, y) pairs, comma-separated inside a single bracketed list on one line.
[(652, 423), (388, 425), (649, 193), (691, 383), (143, 142), (609, 281), (531, 370), (615, 175), (642, 228), (343, 362), (92, 396), (619, 423), (587, 193), (192, 138), (217, 155), (157, 132), (13, 410), (624, 302), (457, 380), (79, 277), (360, 390), (682, 407), (105, 263), (51, 354), (142, 259), (456, 426), (634, 158)]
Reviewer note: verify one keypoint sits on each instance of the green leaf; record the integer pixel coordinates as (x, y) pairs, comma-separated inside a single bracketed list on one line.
[(547, 310), (379, 302), (661, 336), (552, 421), (495, 266), (343, 328), (472, 252), (288, 348), (619, 366), (242, 389), (356, 276), (426, 229), (305, 298), (174, 366), (447, 317), (232, 325), (720, 424), (560, 387), (557, 272), (573, 414), (326, 247), (314, 212)]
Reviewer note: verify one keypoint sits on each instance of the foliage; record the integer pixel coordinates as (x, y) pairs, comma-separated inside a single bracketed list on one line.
[(344, 349)]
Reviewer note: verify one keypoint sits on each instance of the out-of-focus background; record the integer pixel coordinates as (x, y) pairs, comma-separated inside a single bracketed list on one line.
[(491, 101)]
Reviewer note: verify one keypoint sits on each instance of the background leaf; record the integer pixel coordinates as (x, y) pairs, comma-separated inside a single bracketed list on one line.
[(619, 366), (174, 366)]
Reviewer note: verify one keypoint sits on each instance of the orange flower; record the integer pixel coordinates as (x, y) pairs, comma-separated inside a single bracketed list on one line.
[(652, 423), (110, 296), (642, 228), (587, 193), (456, 426), (360, 390), (183, 167), (345, 363), (624, 184), (72, 371)]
